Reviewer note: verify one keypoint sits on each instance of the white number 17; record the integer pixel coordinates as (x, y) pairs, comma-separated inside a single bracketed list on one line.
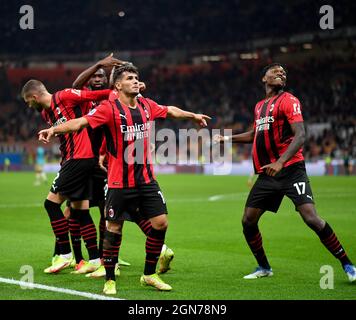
[(297, 185)]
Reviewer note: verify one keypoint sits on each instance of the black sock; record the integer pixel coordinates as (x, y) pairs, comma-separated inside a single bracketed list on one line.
[(154, 243), (254, 240), (111, 248), (102, 228), (56, 249), (88, 232), (59, 225), (145, 226), (75, 236), (331, 242)]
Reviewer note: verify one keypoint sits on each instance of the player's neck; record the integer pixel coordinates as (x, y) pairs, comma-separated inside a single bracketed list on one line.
[(273, 91), (47, 98), (129, 101)]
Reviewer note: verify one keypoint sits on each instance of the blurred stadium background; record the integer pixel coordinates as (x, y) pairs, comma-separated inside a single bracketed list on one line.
[(204, 56)]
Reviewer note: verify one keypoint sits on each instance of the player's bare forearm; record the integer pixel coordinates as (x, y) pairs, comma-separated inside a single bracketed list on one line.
[(246, 137), (85, 76), (71, 126), (177, 113), (296, 144)]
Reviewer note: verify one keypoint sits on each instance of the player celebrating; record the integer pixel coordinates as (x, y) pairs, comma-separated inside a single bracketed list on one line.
[(94, 78), (278, 137), (131, 180), (72, 181)]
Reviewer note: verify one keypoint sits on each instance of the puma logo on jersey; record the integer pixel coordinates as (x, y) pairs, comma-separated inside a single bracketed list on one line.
[(123, 116)]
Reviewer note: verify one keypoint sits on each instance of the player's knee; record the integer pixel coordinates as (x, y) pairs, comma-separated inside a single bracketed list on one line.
[(314, 222), (160, 223), (114, 227), (248, 222)]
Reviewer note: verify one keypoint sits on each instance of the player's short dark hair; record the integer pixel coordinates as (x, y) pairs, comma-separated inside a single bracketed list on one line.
[(32, 86), (127, 67), (272, 65)]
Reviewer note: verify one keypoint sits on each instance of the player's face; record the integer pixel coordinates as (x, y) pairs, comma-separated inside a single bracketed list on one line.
[(276, 77), (128, 83), (32, 102), (98, 81)]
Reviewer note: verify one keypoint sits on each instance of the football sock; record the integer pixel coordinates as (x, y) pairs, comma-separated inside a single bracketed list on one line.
[(154, 243), (88, 232), (145, 226), (56, 249), (102, 228), (254, 240), (111, 248), (330, 241), (59, 225), (75, 236)]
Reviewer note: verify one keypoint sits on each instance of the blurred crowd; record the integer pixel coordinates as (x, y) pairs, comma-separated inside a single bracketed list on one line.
[(228, 93), (86, 26)]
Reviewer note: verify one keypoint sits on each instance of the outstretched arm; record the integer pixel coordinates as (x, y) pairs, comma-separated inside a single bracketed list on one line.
[(66, 127), (85, 76), (177, 113), (246, 137)]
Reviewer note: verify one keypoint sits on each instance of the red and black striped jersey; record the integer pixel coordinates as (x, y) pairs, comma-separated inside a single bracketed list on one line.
[(96, 136), (127, 133), (273, 133), (70, 104)]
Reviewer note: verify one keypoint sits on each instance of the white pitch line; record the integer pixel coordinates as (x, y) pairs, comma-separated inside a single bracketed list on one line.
[(218, 197), (55, 289), (20, 205)]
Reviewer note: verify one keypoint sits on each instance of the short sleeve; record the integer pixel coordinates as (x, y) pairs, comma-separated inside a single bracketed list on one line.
[(157, 110), (74, 96), (99, 116), (292, 109)]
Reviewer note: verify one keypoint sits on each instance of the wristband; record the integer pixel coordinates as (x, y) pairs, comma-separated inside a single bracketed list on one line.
[(226, 138)]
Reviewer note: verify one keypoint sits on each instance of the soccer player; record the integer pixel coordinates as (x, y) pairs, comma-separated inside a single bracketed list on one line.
[(278, 137), (40, 161), (131, 181), (72, 181), (94, 78)]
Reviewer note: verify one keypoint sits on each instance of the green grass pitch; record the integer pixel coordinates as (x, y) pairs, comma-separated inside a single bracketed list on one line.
[(211, 255)]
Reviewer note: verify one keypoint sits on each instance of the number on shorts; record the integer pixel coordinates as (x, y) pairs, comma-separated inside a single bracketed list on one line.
[(160, 193), (54, 182), (297, 185)]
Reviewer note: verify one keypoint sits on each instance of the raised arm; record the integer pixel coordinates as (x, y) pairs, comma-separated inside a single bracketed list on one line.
[(85, 76), (177, 113), (66, 127)]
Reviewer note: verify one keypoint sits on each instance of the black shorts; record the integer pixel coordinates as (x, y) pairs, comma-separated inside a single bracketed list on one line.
[(74, 179), (99, 180), (292, 181), (144, 201)]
